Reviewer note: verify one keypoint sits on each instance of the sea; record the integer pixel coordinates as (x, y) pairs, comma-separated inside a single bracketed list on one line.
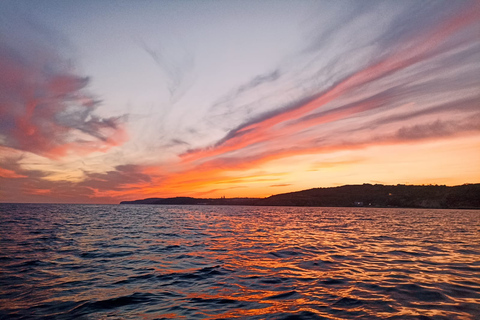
[(237, 262)]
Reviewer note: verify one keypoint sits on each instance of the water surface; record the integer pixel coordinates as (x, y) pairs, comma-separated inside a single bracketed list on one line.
[(221, 262)]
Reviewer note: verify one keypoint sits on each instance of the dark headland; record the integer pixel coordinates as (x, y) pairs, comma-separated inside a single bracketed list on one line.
[(465, 196)]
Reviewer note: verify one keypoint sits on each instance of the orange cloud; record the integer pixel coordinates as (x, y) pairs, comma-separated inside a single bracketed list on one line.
[(10, 174)]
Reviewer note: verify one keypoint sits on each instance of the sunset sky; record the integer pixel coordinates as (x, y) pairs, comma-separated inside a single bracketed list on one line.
[(103, 101)]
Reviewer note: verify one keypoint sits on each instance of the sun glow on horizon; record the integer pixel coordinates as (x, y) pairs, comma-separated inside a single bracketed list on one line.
[(235, 101)]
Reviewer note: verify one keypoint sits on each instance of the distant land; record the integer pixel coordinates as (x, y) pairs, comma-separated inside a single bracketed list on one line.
[(465, 196)]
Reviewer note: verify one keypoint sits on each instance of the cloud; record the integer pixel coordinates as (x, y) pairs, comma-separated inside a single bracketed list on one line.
[(94, 187), (258, 95), (374, 74), (6, 173), (439, 129), (45, 107), (117, 179), (176, 66), (258, 80), (335, 164), (280, 185), (406, 67)]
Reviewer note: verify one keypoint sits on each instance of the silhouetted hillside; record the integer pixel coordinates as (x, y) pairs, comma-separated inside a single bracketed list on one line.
[(465, 196), (366, 195)]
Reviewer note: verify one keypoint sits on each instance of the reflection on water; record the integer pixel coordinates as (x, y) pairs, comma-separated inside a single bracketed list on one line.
[(202, 262)]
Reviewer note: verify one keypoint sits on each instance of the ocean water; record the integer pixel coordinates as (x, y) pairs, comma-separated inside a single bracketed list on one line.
[(227, 262)]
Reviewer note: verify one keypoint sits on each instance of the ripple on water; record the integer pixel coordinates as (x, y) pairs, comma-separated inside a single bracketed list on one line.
[(202, 262)]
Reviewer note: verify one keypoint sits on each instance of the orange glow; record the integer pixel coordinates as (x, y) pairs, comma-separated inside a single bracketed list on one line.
[(38, 191), (5, 173), (258, 175), (368, 122)]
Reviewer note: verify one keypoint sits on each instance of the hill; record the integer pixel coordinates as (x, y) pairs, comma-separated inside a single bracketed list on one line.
[(407, 196)]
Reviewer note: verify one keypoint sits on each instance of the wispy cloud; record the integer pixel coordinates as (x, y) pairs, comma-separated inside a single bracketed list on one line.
[(391, 80), (418, 84), (280, 185), (177, 68), (45, 107)]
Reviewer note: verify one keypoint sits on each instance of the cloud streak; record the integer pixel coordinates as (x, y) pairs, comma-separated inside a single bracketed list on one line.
[(177, 68), (428, 46)]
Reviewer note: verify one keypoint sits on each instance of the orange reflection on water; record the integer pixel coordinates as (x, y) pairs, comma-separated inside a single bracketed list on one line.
[(224, 262)]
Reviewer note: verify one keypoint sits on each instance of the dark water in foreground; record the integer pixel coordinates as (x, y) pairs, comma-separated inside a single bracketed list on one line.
[(202, 262)]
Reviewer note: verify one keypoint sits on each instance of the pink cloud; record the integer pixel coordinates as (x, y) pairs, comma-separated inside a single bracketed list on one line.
[(275, 129), (45, 107)]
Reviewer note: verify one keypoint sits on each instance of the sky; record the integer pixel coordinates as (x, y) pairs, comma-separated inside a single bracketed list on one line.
[(104, 101)]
